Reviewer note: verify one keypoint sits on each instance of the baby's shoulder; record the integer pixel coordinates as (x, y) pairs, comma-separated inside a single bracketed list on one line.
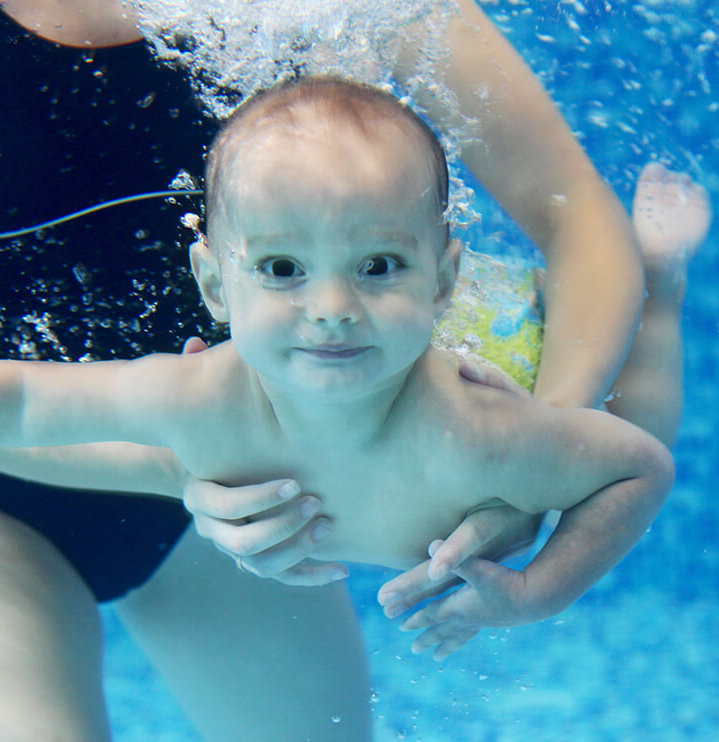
[(214, 377), (477, 412)]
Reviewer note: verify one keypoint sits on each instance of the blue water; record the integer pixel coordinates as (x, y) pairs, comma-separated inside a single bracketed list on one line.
[(637, 658)]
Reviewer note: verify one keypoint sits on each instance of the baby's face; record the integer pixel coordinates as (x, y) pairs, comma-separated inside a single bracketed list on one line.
[(329, 253)]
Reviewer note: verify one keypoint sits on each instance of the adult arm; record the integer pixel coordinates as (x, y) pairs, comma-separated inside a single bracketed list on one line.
[(82, 23), (527, 157)]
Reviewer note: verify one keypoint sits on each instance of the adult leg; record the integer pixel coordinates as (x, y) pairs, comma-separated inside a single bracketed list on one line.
[(671, 216), (252, 659), (51, 644)]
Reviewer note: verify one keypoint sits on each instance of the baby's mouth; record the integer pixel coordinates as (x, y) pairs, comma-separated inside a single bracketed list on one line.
[(334, 352)]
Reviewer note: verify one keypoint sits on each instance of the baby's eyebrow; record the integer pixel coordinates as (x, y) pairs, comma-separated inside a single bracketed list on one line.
[(265, 241), (386, 237)]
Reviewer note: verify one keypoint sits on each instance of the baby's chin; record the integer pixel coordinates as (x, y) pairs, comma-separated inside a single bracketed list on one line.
[(338, 385), (332, 385)]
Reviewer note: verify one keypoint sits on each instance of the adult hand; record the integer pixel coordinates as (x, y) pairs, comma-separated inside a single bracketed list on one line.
[(492, 596), (494, 533), (269, 529)]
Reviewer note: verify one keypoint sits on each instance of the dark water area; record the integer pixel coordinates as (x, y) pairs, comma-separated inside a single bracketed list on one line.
[(78, 127)]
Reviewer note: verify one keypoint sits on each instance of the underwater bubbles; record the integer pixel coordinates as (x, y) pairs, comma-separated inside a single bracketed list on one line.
[(233, 48)]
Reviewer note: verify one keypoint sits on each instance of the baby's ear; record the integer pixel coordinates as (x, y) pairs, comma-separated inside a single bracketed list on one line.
[(208, 275), (447, 274)]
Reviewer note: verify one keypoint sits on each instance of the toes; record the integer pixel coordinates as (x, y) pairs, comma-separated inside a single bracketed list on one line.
[(653, 172)]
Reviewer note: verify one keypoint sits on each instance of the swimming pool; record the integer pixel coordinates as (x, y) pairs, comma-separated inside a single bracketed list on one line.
[(637, 658)]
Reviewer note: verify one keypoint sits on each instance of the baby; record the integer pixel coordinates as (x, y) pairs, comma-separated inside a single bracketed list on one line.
[(329, 257)]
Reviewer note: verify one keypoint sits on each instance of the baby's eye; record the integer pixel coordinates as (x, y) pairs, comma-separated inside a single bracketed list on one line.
[(280, 268), (278, 271), (381, 266)]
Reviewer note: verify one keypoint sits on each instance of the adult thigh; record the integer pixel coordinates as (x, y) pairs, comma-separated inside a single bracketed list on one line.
[(251, 659), (51, 644)]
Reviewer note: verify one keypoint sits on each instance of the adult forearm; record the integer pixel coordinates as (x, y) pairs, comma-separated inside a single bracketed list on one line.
[(116, 467), (593, 296), (518, 144)]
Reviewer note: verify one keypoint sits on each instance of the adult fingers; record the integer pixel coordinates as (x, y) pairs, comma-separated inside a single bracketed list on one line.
[(441, 610), (410, 588), (290, 553), (246, 538), (230, 503), (492, 533), (480, 373), (448, 638), (194, 345), (309, 573)]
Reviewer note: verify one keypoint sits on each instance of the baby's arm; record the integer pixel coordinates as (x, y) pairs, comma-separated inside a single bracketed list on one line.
[(54, 404), (526, 156), (591, 538), (112, 467)]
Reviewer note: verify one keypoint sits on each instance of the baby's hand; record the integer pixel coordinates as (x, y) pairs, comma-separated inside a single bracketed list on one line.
[(493, 596)]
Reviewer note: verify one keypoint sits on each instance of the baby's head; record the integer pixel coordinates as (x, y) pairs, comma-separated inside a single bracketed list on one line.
[(326, 182), (323, 113)]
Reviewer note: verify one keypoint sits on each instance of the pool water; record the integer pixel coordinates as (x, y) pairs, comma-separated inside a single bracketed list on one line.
[(637, 658)]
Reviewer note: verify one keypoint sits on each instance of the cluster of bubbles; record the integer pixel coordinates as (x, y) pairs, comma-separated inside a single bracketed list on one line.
[(661, 55), (75, 305), (233, 48)]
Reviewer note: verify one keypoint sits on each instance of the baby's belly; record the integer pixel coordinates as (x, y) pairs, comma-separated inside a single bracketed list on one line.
[(385, 509), (394, 531)]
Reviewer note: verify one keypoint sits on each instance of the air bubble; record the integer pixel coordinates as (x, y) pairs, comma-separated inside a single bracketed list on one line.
[(147, 101), (231, 48)]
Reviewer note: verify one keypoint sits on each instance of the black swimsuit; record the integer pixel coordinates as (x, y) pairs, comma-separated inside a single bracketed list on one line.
[(115, 542), (78, 127)]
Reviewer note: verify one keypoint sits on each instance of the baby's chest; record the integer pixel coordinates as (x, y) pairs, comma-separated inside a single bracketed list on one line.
[(386, 508), (387, 501)]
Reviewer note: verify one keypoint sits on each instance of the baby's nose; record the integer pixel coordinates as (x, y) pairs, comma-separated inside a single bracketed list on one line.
[(333, 302)]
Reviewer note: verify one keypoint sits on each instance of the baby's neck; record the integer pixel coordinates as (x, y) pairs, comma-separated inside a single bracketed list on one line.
[(337, 422)]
